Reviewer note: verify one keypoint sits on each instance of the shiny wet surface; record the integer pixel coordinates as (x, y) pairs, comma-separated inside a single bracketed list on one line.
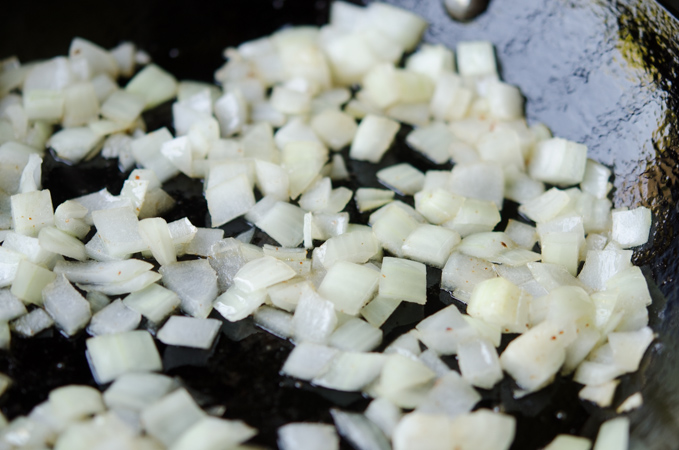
[(601, 73)]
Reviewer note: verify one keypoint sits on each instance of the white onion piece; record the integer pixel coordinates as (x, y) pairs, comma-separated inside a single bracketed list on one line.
[(568, 442), (601, 394), (351, 371), (10, 306), (284, 222), (384, 414), (474, 216), (57, 241), (462, 273), (444, 330), (392, 226), (629, 347), (29, 281), (484, 430), (314, 319), (74, 144), (406, 344), (80, 104), (17, 246), (634, 401), (119, 230), (631, 228), (76, 402), (236, 304), (558, 161), (356, 335), (403, 379), (32, 211), (262, 273), (370, 198), (112, 355), (349, 286), (114, 318), (189, 332), (522, 234), (32, 323), (153, 84), (378, 310), (479, 363), (373, 137), (135, 391), (613, 435), (359, 431), (601, 265), (308, 360), (404, 178), (211, 432), (124, 287), (451, 395), (356, 246), (168, 418), (275, 321), (307, 436), (195, 282), (403, 279), (44, 104), (433, 141), (102, 272), (203, 241), (476, 58), (104, 429), (438, 205)]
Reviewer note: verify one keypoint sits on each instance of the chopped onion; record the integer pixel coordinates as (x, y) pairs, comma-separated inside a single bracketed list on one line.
[(112, 355), (189, 332)]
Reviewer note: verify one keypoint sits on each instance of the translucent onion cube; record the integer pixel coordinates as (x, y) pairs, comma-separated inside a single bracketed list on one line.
[(463, 272), (29, 281), (522, 234), (44, 104), (451, 99), (153, 84), (154, 302), (629, 347), (545, 207), (32, 323), (474, 216), (379, 309), (10, 306), (403, 279), (444, 330), (262, 273), (76, 402), (189, 332), (195, 282), (438, 205), (211, 432), (123, 106), (484, 430), (315, 319), (335, 128), (496, 301), (203, 241), (558, 161), (112, 355), (308, 360), (505, 102), (74, 144), (307, 436), (384, 414), (433, 141), (370, 198), (418, 430), (68, 308), (478, 180), (536, 356), (601, 265), (451, 395), (351, 371), (275, 321), (168, 418), (229, 199), (356, 246), (373, 137), (236, 304), (400, 376), (562, 249), (31, 212), (476, 58), (399, 25), (403, 177), (392, 227), (119, 230), (479, 362), (102, 272), (116, 317), (303, 161), (285, 223), (601, 394), (358, 430), (349, 286), (568, 442), (69, 218), (631, 228), (135, 391), (356, 335), (613, 435), (57, 241)]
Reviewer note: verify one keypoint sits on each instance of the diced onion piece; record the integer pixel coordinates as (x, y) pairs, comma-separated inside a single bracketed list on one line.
[(629, 347), (562, 249), (74, 144), (29, 281), (479, 363), (68, 308), (504, 101), (31, 212), (335, 128), (275, 321), (634, 401), (397, 24), (404, 280), (10, 306), (444, 330), (195, 282), (308, 360), (474, 216), (76, 402), (378, 310), (463, 273), (568, 442), (356, 335), (373, 137), (115, 317), (631, 228), (31, 324), (533, 358), (189, 332), (558, 161), (303, 161), (153, 84), (119, 230), (262, 273), (349, 286), (356, 246), (451, 395), (112, 355), (403, 177), (307, 436), (44, 104), (613, 435), (476, 58), (211, 432), (236, 304), (284, 222), (419, 430), (153, 302), (370, 198), (433, 141), (479, 180), (135, 391), (392, 227), (546, 206), (351, 371), (168, 418), (229, 199), (315, 318)]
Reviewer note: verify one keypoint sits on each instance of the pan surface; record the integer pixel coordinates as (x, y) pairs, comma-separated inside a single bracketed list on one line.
[(600, 73)]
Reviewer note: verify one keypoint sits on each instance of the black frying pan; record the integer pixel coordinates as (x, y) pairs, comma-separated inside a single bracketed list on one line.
[(601, 73)]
